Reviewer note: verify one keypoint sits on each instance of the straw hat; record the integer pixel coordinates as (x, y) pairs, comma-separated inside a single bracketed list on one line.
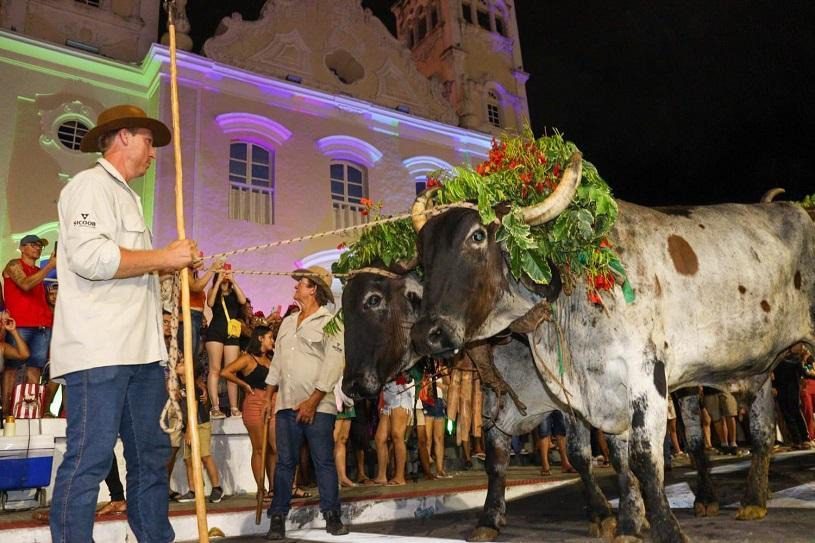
[(124, 116), (320, 276)]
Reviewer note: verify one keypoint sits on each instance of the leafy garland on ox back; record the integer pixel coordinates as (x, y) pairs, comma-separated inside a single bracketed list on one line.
[(520, 170)]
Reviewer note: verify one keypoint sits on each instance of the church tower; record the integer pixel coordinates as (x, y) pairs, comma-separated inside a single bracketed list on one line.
[(472, 47)]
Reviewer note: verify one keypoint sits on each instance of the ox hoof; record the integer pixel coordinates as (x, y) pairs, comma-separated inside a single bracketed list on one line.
[(701, 509), (483, 533), (751, 512), (607, 528), (594, 529)]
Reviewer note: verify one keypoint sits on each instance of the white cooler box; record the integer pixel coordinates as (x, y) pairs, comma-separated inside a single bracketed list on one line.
[(25, 465)]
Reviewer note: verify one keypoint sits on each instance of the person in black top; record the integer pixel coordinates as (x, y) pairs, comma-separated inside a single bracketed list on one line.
[(225, 298), (249, 372)]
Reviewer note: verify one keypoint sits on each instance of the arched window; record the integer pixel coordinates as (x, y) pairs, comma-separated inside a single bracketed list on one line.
[(251, 183), (493, 109), (349, 185)]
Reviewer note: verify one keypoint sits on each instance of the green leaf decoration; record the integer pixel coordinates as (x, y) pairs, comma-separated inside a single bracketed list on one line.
[(520, 171)]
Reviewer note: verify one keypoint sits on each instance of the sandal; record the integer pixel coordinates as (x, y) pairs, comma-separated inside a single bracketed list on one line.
[(546, 472), (113, 508), (570, 469), (235, 412), (300, 493)]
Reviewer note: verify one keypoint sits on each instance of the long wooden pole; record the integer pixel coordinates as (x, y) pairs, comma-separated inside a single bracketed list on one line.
[(189, 375), (261, 482)]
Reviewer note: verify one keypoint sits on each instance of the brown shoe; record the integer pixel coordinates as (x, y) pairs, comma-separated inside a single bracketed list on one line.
[(113, 508)]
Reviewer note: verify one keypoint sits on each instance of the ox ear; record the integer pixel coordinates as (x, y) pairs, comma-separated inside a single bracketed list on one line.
[(413, 289), (402, 267), (501, 209)]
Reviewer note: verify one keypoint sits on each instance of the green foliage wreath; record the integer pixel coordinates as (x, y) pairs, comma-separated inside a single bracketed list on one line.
[(520, 171)]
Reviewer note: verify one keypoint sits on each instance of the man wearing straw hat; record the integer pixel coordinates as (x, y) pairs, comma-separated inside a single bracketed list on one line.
[(306, 365), (107, 337)]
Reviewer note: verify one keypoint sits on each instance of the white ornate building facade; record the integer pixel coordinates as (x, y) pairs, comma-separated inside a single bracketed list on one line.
[(286, 122)]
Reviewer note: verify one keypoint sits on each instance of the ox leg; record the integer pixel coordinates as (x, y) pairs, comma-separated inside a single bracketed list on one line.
[(492, 517), (649, 412), (706, 504), (601, 519), (762, 437), (631, 514)]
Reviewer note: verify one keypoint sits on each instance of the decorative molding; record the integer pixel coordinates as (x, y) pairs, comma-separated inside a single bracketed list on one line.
[(50, 120), (420, 165), (272, 47), (349, 148), (249, 123)]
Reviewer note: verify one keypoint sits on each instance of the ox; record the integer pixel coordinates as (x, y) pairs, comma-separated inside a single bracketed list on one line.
[(721, 291), (380, 307)]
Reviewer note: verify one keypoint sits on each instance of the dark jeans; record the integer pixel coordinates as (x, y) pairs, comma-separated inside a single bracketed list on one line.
[(196, 320), (104, 403), (789, 401), (320, 437)]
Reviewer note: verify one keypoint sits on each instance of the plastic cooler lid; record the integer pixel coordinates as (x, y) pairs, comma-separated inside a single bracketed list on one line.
[(17, 444)]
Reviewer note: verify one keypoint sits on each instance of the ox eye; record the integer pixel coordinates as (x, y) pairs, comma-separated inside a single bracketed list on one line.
[(479, 236), (373, 300)]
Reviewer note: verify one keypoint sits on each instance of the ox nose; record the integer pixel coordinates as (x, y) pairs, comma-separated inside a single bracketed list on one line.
[(430, 337), (351, 388)]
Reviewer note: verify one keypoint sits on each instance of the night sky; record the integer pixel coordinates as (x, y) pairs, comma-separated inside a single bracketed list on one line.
[(703, 102)]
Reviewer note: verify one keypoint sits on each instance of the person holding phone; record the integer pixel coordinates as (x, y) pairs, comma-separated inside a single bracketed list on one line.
[(24, 288), (225, 298)]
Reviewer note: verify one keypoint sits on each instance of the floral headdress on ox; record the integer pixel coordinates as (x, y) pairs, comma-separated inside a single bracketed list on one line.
[(521, 171)]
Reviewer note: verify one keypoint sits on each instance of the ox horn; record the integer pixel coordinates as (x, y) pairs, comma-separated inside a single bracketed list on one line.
[(423, 202), (770, 195), (402, 267), (560, 198)]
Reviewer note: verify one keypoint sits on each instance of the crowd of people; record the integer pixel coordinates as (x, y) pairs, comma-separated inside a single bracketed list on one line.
[(279, 373)]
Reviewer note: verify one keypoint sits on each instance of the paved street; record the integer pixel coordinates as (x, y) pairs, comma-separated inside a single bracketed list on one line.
[(556, 515)]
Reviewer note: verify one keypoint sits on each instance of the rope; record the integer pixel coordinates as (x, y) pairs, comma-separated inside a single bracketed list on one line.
[(374, 271), (171, 416), (339, 231)]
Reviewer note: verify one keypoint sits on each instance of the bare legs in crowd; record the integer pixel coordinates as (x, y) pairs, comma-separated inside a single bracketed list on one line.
[(434, 426), (220, 356), (342, 429), (392, 426)]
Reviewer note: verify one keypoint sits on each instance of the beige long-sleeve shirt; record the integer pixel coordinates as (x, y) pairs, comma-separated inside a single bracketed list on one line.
[(306, 359), (100, 320)]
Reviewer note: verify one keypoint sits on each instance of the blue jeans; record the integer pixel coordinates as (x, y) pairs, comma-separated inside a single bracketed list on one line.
[(38, 339), (320, 437), (196, 321), (104, 403)]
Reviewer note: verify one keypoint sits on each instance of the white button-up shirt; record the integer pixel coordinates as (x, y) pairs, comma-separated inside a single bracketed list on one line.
[(306, 359), (102, 321)]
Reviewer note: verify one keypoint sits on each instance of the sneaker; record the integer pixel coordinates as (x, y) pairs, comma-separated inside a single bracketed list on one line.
[(216, 495), (186, 498), (277, 529), (333, 523), (216, 413)]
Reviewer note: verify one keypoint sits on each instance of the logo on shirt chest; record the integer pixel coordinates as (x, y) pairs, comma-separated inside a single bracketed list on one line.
[(84, 221)]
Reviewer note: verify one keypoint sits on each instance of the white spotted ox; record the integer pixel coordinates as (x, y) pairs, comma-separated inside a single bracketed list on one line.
[(380, 307), (720, 291)]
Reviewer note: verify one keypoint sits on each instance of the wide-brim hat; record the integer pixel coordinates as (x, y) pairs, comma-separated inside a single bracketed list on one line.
[(320, 276), (124, 116)]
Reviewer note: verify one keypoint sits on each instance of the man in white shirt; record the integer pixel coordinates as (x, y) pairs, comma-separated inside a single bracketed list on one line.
[(107, 337), (306, 365)]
